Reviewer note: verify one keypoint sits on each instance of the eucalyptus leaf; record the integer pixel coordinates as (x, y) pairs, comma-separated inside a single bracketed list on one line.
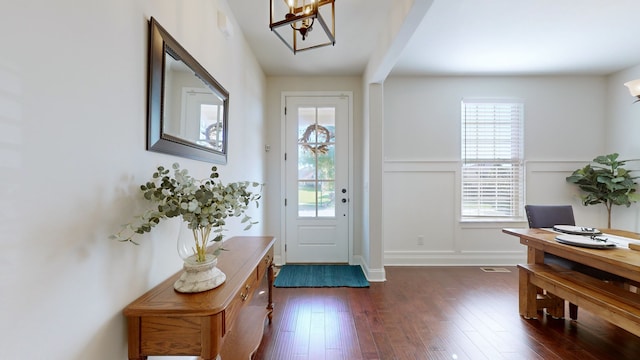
[(203, 204)]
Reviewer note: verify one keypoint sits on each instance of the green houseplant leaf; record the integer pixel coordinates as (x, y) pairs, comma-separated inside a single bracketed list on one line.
[(605, 181)]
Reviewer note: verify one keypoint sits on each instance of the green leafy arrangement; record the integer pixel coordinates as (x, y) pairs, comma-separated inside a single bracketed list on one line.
[(606, 182), (203, 204)]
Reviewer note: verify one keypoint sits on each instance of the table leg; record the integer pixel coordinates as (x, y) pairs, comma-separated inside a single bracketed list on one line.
[(133, 338), (527, 296), (270, 291), (553, 304), (556, 307), (534, 256)]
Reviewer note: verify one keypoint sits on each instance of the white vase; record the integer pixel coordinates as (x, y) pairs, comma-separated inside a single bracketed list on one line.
[(199, 276)]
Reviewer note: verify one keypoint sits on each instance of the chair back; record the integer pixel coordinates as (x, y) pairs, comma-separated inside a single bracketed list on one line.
[(546, 216)]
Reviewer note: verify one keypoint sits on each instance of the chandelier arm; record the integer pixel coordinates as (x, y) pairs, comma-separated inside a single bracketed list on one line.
[(313, 20), (326, 29)]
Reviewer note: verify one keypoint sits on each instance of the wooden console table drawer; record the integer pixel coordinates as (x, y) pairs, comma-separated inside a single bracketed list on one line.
[(265, 263), (166, 322), (242, 297)]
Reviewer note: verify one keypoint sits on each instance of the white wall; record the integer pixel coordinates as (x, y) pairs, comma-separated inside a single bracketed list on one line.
[(623, 136), (564, 129), (394, 33), (73, 79)]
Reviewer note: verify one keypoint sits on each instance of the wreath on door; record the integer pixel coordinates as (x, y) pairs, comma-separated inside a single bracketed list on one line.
[(317, 147)]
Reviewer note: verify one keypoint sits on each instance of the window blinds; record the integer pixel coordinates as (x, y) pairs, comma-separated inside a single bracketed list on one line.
[(492, 158)]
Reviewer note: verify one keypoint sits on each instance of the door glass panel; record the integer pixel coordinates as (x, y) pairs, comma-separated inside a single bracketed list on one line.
[(306, 117), (326, 199), (316, 161), (327, 164), (306, 164), (307, 198)]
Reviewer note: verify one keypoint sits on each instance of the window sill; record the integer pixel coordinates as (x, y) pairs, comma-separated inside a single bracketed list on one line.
[(489, 223)]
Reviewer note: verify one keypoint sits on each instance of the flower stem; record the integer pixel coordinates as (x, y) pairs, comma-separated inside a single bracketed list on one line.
[(201, 237)]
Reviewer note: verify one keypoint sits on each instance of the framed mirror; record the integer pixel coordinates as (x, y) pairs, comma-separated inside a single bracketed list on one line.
[(188, 109)]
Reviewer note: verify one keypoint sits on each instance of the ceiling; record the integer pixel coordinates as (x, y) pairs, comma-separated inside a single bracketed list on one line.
[(462, 37)]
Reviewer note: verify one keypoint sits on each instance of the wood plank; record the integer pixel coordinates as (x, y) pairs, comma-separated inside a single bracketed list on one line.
[(614, 304), (633, 246), (441, 306)]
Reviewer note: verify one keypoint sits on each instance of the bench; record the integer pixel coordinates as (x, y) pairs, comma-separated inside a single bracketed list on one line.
[(606, 300)]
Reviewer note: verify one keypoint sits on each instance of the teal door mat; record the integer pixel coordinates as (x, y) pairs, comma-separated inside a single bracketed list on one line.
[(321, 276)]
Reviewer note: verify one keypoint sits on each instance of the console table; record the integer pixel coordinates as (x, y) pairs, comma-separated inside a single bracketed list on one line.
[(226, 322)]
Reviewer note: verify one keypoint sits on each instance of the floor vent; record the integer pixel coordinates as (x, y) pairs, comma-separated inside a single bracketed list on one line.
[(492, 269)]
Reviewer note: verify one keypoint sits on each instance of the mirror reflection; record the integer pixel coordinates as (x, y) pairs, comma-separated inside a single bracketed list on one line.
[(197, 111), (188, 108)]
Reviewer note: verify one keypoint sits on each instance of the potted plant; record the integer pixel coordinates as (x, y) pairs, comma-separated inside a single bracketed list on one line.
[(606, 182), (204, 205)]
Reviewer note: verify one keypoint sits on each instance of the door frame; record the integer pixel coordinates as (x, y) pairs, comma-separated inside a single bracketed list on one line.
[(283, 178)]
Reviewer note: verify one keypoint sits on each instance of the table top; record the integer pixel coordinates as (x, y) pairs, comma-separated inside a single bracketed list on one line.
[(242, 255), (621, 261)]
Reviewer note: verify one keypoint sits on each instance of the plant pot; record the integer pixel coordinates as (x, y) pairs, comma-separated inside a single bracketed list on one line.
[(199, 276)]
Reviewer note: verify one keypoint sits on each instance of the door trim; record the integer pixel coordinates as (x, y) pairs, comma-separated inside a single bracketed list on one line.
[(283, 178)]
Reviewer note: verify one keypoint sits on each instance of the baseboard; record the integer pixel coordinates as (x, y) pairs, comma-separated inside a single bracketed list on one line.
[(414, 258), (372, 275), (277, 260)]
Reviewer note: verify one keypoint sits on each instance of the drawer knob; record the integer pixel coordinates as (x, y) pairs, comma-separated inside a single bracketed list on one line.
[(244, 296)]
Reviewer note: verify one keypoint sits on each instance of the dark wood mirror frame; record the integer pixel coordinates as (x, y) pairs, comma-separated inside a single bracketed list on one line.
[(161, 44)]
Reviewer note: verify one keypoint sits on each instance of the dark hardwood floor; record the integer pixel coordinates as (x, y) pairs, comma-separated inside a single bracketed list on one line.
[(432, 313)]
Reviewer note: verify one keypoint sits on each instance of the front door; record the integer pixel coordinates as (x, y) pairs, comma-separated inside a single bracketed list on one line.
[(317, 179)]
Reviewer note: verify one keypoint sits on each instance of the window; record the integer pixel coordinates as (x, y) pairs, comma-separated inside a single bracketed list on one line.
[(492, 158)]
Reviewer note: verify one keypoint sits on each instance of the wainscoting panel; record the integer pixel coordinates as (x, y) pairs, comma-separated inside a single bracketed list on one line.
[(422, 213), (419, 210)]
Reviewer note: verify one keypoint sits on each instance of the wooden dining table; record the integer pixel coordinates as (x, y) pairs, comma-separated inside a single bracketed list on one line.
[(548, 286), (620, 260)]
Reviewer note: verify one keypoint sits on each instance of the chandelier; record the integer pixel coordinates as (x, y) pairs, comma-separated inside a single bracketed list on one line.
[(634, 88), (300, 17)]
